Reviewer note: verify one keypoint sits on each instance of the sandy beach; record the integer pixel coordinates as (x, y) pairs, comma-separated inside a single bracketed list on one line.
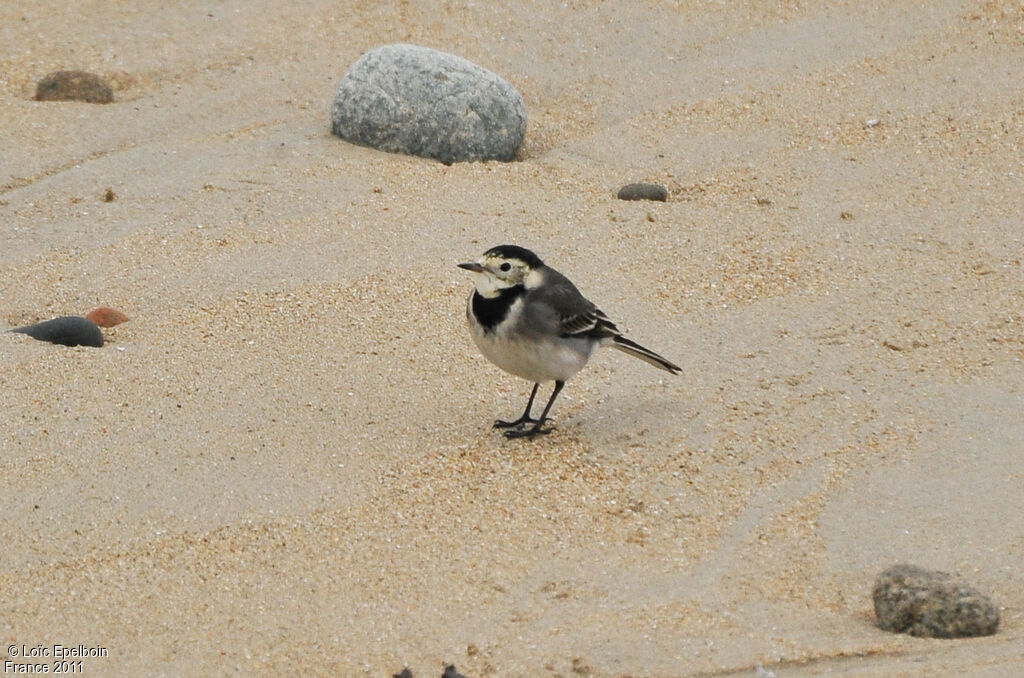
[(283, 464)]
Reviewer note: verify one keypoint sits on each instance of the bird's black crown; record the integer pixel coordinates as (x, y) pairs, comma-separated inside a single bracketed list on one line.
[(515, 252)]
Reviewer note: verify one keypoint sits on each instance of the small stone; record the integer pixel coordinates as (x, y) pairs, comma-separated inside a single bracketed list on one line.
[(74, 86), (581, 667), (450, 672), (643, 191), (71, 330), (405, 673), (902, 345), (104, 316), (409, 99), (909, 599)]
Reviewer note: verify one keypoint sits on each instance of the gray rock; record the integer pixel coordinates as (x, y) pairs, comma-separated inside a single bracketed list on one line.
[(69, 330), (643, 192), (909, 599), (409, 99)]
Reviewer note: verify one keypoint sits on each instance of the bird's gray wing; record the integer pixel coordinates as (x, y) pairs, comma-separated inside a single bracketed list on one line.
[(561, 308)]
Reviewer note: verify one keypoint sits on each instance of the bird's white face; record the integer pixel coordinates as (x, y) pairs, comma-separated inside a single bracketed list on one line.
[(494, 273)]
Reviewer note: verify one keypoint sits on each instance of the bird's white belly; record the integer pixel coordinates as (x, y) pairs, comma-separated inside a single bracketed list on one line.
[(535, 360)]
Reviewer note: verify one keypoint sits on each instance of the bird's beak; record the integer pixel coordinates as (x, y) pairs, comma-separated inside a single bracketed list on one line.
[(472, 266)]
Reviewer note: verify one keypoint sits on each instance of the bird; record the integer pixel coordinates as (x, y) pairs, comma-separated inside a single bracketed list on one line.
[(532, 322)]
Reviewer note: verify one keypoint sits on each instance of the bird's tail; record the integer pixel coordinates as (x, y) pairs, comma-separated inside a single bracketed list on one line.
[(645, 354)]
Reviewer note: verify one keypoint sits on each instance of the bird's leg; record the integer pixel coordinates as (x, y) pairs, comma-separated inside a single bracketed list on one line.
[(537, 430), (526, 418)]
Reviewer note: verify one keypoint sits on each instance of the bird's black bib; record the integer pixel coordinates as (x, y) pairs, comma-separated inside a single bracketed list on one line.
[(490, 312)]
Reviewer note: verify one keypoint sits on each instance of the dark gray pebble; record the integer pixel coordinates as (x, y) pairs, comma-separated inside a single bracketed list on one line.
[(74, 86), (450, 672), (643, 192), (71, 330), (406, 673), (909, 599)]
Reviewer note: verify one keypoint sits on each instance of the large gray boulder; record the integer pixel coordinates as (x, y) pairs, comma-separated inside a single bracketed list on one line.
[(416, 100)]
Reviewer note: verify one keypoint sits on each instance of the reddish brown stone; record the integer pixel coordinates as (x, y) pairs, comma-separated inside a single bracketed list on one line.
[(104, 316)]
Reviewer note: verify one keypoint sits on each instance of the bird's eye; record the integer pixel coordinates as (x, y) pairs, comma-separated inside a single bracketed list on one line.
[(506, 266)]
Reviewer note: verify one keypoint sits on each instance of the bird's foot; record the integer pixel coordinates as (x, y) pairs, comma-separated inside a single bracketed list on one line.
[(514, 424), (528, 433)]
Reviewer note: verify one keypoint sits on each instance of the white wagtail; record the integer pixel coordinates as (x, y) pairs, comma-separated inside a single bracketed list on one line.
[(531, 321)]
